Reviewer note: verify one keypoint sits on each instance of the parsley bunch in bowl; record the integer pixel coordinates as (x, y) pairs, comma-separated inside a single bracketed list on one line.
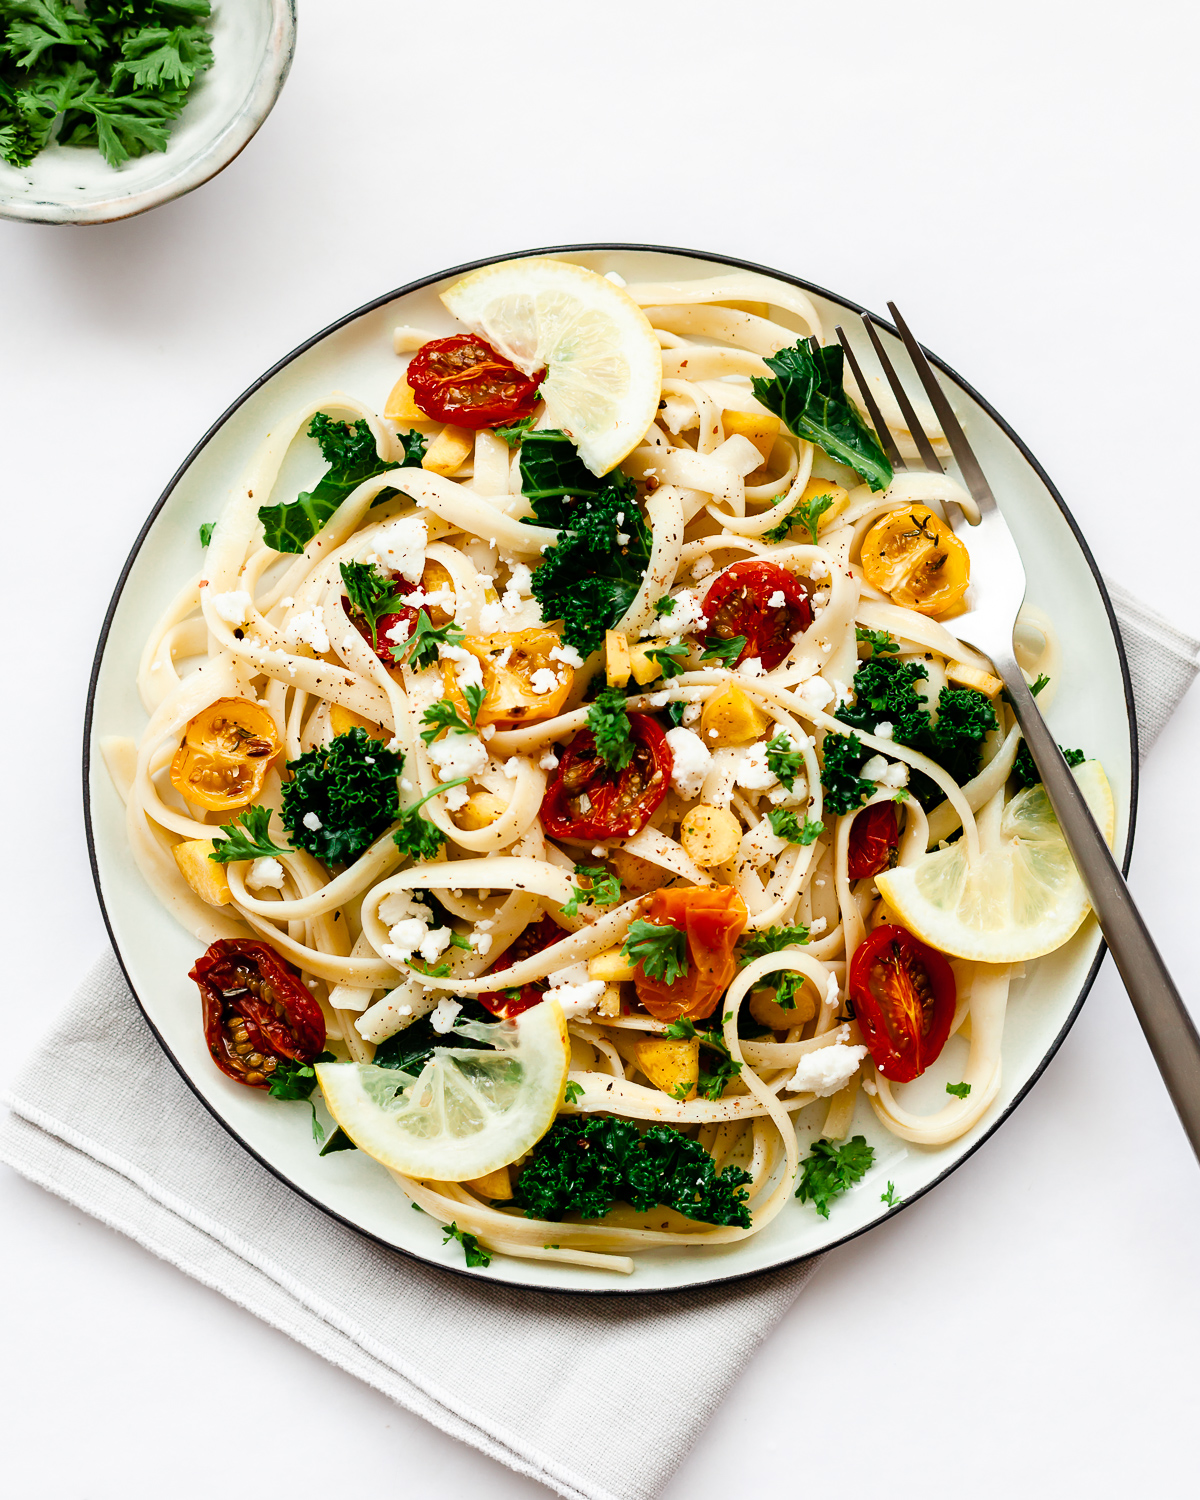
[(114, 75)]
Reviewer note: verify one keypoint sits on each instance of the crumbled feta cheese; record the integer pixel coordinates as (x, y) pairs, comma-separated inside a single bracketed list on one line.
[(458, 755), (567, 655), (543, 680), (481, 941), (820, 598), (884, 730), (577, 999), (703, 566), (575, 973), (873, 769), (896, 774), (659, 700), (816, 692), (348, 642), (396, 906), (442, 1016), (549, 761), (470, 669), (817, 926), (842, 692), (399, 546), (687, 615), (777, 600), (869, 1086), (233, 607), (827, 1070), (832, 992), (692, 713), (690, 760), (599, 851), (752, 667), (308, 629), (265, 872), (752, 771), (520, 578), (312, 822), (434, 944)]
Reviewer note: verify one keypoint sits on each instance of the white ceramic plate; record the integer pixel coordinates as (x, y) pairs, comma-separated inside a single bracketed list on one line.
[(253, 43), (1093, 709)]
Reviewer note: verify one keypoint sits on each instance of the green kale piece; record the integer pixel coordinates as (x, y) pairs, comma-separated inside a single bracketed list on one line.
[(965, 718), (844, 788), (829, 1170), (884, 690), (669, 659), (474, 1253), (352, 457), (552, 471), (959, 1090), (1025, 771), (608, 719), (586, 1164), (517, 432), (590, 576), (806, 393), (341, 796), (414, 444), (724, 650), (409, 1050), (251, 841), (659, 947)]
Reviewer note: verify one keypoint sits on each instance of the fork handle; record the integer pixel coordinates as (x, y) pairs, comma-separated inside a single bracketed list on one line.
[(1156, 1002)]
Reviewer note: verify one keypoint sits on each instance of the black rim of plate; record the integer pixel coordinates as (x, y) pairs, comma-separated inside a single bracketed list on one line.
[(382, 301)]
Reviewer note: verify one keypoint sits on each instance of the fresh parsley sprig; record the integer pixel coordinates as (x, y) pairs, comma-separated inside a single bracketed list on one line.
[(783, 761), (959, 1090), (786, 825), (661, 949), (417, 836), (773, 940), (711, 1082), (664, 606), (669, 659), (889, 1197), (880, 642), (371, 595), (602, 889), (295, 1080), (608, 719), (807, 513), (515, 433), (828, 1171), (444, 715), (252, 840), (472, 1250), (725, 651), (422, 648)]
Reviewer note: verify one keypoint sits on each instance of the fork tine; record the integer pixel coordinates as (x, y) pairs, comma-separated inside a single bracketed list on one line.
[(881, 428), (957, 438), (924, 447)]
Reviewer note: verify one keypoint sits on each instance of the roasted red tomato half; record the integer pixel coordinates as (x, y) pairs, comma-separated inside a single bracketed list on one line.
[(763, 603), (904, 996), (257, 1011), (463, 380), (589, 800), (713, 918), (874, 835), (537, 935)]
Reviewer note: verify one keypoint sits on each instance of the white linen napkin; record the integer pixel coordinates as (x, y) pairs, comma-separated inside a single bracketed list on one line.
[(611, 1425)]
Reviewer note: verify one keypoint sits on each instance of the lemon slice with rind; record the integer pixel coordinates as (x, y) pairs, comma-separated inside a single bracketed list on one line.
[(468, 1112), (1017, 901), (602, 358)]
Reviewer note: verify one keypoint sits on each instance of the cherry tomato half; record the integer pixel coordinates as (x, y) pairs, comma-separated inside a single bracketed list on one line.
[(433, 578), (916, 560), (873, 836), (588, 800), (904, 996), (536, 936), (762, 602), (713, 917), (257, 1011), (226, 752), (508, 661), (463, 380)]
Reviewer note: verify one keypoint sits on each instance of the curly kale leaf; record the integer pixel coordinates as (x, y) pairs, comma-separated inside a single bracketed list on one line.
[(341, 796), (806, 393), (965, 718), (584, 1166), (843, 754), (352, 457), (410, 1049), (591, 575), (1025, 771)]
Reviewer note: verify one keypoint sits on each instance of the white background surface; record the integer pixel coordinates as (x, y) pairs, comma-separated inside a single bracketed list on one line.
[(1022, 184)]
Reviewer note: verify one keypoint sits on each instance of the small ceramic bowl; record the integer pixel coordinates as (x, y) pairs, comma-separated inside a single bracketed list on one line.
[(253, 43)]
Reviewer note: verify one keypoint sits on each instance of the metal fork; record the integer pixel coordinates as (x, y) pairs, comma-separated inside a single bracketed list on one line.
[(996, 593)]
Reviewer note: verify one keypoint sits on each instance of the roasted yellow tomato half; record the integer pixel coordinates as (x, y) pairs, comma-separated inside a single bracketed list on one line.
[(913, 557), (225, 755), (522, 683)]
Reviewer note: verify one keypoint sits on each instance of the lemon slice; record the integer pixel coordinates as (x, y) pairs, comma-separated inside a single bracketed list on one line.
[(1016, 902), (603, 362), (468, 1112)]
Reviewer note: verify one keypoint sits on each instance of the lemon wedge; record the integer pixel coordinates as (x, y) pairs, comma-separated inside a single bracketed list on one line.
[(468, 1112), (603, 362), (1017, 901)]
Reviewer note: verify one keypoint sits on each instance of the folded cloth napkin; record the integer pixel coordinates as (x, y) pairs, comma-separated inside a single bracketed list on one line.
[(610, 1426)]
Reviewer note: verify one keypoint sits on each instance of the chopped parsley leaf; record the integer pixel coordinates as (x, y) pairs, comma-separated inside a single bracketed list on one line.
[(251, 841), (660, 948), (827, 1172)]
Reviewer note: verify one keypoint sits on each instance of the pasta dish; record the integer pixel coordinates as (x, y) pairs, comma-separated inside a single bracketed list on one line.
[(580, 791)]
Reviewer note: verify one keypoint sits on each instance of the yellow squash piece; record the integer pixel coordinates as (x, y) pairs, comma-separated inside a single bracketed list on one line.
[(646, 668), (342, 720), (616, 658), (204, 875), (449, 451), (671, 1066), (761, 428), (735, 718), (611, 966), (401, 405), (496, 1185)]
